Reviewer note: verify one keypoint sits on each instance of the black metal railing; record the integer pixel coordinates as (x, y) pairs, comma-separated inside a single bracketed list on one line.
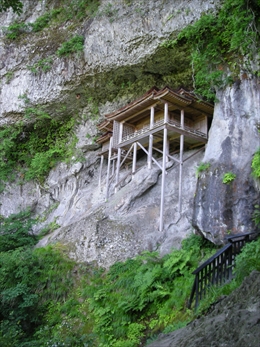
[(218, 269)]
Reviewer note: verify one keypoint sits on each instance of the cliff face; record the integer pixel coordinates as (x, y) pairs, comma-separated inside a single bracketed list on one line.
[(123, 58), (235, 319), (221, 209)]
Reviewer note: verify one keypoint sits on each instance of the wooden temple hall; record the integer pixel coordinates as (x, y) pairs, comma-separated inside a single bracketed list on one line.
[(163, 123)]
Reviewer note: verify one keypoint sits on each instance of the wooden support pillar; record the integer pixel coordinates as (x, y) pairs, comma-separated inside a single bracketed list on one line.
[(113, 166), (150, 148), (118, 167), (152, 117), (165, 139), (150, 152), (119, 150), (134, 158), (108, 166), (167, 151), (166, 113), (100, 170), (181, 162), (121, 126)]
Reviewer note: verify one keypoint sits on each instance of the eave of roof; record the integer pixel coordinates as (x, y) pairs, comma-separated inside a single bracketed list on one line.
[(135, 106), (181, 99), (104, 138), (105, 125)]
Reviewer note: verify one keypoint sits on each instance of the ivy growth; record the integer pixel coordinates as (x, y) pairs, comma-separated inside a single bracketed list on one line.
[(222, 43), (32, 150)]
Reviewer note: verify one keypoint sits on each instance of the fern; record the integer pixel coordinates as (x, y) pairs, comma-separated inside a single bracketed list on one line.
[(256, 164)]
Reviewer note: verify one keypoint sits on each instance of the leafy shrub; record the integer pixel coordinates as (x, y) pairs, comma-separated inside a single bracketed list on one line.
[(147, 293), (36, 290), (256, 164), (256, 215), (74, 45), (15, 30), (220, 42), (41, 65), (44, 20), (34, 149), (248, 260), (47, 299), (16, 5), (228, 177), (80, 8), (202, 167), (9, 136), (16, 231)]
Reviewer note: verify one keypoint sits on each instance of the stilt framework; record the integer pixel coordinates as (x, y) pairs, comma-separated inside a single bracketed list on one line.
[(163, 121)]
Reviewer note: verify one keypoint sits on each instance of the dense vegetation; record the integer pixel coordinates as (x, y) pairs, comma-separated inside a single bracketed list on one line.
[(58, 14), (221, 45), (224, 44), (47, 299), (16, 5), (32, 150)]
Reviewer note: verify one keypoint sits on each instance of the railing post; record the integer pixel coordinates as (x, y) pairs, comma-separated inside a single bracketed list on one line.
[(218, 269), (197, 291)]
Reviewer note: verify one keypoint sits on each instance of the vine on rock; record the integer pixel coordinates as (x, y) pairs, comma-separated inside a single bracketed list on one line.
[(223, 44), (31, 150)]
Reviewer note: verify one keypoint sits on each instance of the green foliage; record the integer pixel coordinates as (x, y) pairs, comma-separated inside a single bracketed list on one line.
[(221, 43), (144, 294), (48, 300), (32, 150), (110, 12), (44, 20), (256, 164), (71, 9), (15, 5), (79, 8), (228, 177), (256, 215), (41, 65), (31, 282), (16, 231), (74, 45), (94, 108), (39, 296), (248, 260), (9, 75), (15, 30), (9, 136), (202, 167)]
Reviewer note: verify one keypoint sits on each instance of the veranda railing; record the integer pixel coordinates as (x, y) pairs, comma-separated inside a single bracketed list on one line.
[(218, 269)]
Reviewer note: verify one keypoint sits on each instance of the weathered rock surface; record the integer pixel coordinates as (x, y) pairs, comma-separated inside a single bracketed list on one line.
[(234, 321), (221, 209), (122, 47), (126, 224)]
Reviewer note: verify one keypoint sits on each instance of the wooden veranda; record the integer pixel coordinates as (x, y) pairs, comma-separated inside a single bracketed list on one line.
[(163, 121)]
